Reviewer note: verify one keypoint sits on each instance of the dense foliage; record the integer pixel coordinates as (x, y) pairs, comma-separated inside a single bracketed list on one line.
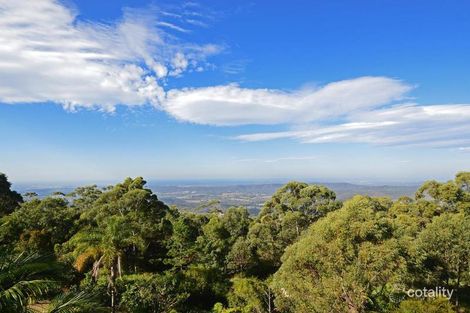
[(9, 199), (120, 249)]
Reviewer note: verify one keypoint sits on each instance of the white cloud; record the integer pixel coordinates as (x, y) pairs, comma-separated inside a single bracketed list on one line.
[(410, 124), (291, 158), (174, 27), (180, 63), (233, 105), (46, 54)]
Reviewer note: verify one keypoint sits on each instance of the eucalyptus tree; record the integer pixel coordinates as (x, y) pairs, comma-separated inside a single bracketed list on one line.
[(346, 262), (250, 294), (462, 179), (9, 199), (443, 252), (453, 195), (284, 217), (220, 233), (38, 225)]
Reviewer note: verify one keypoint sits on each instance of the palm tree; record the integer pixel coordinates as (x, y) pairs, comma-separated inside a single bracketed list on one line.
[(24, 279), (103, 248)]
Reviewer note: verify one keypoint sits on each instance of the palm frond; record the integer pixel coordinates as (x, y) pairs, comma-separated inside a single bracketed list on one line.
[(75, 302), (25, 278)]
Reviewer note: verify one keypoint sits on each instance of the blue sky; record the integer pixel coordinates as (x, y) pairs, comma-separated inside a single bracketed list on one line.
[(369, 91)]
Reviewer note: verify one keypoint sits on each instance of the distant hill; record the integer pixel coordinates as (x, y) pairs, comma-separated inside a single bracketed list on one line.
[(252, 196)]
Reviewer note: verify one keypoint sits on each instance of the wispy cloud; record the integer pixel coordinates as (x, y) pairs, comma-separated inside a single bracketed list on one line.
[(233, 105), (235, 67), (174, 27), (411, 124), (292, 158), (196, 22), (46, 54)]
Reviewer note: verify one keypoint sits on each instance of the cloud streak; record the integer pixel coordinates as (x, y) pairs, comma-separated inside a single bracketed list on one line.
[(291, 158), (409, 124)]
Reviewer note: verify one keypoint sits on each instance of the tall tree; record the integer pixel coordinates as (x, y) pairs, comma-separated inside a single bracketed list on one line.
[(251, 295), (284, 217), (453, 195), (443, 249), (344, 263), (38, 225), (9, 199)]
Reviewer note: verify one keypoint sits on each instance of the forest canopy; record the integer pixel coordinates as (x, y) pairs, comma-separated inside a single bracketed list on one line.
[(121, 249)]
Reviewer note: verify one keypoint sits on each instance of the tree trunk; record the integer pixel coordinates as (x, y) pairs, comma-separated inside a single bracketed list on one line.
[(457, 287), (119, 266), (113, 299), (112, 287)]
